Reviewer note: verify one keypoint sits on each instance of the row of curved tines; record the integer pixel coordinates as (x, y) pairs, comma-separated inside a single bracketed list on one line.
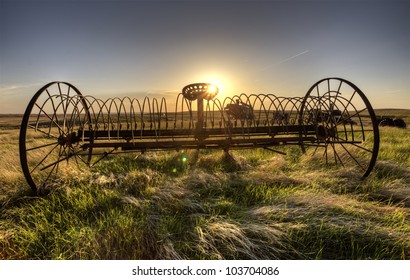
[(118, 114), (152, 114)]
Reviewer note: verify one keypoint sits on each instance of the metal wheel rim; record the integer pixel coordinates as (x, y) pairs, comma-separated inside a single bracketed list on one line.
[(42, 122), (354, 133)]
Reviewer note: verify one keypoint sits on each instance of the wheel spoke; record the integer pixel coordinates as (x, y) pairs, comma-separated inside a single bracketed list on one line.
[(59, 160), (325, 154), (59, 153), (48, 176), (357, 162), (52, 104), (62, 105), (354, 144), (46, 156), (79, 156), (41, 146), (104, 155), (76, 161), (356, 114), (336, 155), (39, 130), (68, 98), (363, 148), (317, 147), (57, 125)]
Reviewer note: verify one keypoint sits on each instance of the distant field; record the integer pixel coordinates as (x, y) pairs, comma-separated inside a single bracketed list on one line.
[(14, 120), (10, 121), (251, 204)]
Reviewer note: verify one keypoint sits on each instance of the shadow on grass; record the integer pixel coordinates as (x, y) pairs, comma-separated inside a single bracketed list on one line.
[(214, 206)]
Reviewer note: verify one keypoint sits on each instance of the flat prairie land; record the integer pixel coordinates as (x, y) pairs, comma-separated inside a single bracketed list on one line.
[(250, 204), (10, 121)]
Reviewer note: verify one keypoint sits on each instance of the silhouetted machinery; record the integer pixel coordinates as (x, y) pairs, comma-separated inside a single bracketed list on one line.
[(391, 121), (334, 122)]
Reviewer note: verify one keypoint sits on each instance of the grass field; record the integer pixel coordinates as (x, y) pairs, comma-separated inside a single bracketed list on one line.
[(253, 204)]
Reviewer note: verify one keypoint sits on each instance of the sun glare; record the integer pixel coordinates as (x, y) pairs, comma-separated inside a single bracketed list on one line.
[(212, 89), (221, 84)]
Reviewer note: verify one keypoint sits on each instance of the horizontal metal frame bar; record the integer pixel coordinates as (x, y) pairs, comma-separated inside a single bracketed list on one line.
[(200, 144), (203, 132)]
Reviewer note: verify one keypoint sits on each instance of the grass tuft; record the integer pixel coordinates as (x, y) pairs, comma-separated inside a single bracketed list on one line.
[(248, 204)]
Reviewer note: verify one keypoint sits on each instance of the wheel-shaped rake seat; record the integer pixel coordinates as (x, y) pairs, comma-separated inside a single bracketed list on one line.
[(200, 91)]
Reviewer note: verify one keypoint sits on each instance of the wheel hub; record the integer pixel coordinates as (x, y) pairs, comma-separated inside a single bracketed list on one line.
[(326, 132), (68, 140)]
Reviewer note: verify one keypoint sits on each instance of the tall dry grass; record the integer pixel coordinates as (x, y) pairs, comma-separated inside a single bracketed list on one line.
[(252, 204)]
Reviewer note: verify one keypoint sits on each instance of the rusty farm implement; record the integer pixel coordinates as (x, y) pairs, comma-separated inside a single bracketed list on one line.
[(334, 122)]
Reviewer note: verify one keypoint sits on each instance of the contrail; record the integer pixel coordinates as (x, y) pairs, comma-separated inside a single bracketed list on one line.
[(292, 57), (393, 91), (283, 61)]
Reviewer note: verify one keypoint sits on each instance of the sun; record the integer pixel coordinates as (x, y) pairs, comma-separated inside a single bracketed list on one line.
[(220, 83), (212, 89)]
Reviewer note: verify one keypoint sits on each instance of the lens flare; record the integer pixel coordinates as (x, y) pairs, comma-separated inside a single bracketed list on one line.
[(212, 89)]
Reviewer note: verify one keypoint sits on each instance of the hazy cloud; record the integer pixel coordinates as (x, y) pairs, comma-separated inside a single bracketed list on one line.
[(15, 89)]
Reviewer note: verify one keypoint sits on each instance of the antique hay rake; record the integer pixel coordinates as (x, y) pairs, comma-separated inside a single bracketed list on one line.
[(334, 123)]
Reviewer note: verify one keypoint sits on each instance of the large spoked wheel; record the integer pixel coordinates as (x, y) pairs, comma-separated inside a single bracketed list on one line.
[(50, 133), (346, 130)]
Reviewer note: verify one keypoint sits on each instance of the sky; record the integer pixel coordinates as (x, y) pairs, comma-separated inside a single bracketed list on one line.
[(154, 48)]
